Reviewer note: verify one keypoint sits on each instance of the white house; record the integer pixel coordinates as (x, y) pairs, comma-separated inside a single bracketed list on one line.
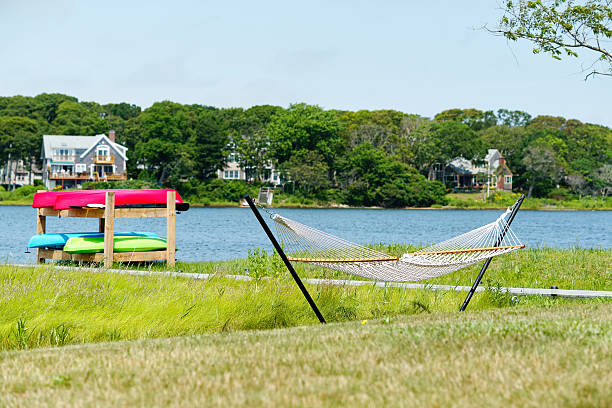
[(233, 171)]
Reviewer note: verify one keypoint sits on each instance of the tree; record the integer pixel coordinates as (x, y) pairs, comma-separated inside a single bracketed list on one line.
[(247, 131), (253, 153), (603, 179), (74, 118), (208, 144), (123, 110), (308, 171), (577, 183), (542, 163), (163, 132), (20, 139), (508, 140), (562, 27), (456, 139), (305, 127), (513, 118), (474, 118)]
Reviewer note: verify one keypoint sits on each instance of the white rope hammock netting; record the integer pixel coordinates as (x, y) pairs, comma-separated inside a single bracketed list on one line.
[(305, 244)]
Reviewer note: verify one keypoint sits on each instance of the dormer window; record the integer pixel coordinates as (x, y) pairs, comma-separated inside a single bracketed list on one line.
[(102, 150)]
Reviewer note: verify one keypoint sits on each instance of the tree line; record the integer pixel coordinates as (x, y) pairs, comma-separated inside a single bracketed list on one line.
[(382, 157)]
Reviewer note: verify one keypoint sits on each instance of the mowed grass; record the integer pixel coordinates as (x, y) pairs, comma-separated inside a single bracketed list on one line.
[(518, 357), (47, 306)]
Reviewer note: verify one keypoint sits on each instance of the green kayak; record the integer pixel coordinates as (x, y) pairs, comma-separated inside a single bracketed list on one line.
[(120, 244)]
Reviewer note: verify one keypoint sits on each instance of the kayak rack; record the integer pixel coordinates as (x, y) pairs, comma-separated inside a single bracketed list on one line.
[(106, 224)]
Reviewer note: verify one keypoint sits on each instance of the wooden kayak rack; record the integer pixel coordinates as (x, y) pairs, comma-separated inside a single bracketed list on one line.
[(106, 224)]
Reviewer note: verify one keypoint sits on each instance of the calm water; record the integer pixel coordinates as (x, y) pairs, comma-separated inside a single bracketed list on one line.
[(226, 233)]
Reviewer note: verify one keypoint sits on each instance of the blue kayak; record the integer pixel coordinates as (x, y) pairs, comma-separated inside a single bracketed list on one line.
[(58, 240)]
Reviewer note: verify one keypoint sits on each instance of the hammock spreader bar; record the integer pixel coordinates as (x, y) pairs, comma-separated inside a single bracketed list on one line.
[(467, 251), (342, 260)]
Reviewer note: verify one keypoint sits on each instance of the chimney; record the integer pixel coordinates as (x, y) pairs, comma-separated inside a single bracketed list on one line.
[(111, 135), (502, 161)]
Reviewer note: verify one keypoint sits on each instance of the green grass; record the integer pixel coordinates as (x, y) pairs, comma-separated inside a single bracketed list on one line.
[(499, 200), (521, 357), (589, 269), (46, 306)]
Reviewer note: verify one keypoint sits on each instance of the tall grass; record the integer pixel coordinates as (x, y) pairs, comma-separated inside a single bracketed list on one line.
[(44, 306), (575, 268)]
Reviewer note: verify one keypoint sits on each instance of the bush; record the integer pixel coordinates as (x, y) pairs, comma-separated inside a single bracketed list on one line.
[(120, 184), (216, 190)]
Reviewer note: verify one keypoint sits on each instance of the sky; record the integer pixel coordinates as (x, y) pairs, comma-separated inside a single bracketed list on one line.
[(416, 57)]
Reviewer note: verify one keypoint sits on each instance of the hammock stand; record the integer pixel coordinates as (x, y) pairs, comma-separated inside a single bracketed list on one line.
[(323, 261)]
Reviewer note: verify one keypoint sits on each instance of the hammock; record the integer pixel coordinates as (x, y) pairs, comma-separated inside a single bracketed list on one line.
[(305, 244)]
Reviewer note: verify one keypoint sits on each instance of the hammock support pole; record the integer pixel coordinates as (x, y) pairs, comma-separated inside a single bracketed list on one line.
[(280, 252), (515, 209)]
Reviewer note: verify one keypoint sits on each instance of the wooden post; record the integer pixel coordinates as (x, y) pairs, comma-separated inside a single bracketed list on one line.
[(109, 226), (170, 227), (41, 228)]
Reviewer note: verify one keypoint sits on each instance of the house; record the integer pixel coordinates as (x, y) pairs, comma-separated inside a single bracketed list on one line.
[(16, 173), (68, 161), (462, 173), (501, 175), (233, 171)]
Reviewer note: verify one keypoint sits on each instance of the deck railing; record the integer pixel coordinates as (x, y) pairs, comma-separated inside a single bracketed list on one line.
[(104, 159), (63, 157), (68, 175)]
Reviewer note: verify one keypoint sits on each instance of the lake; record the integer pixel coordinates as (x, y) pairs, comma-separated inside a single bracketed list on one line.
[(206, 234)]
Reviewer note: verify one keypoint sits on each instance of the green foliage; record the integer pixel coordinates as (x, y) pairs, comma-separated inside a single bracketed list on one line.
[(305, 127), (261, 264), (377, 179), (325, 156), (120, 184), (208, 144), (73, 118), (562, 28), (21, 194), (216, 191)]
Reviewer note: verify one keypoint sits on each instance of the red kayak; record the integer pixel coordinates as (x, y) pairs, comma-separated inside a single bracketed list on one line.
[(62, 200)]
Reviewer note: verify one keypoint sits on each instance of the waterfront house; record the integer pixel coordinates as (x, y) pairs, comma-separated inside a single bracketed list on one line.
[(461, 173), (69, 160), (233, 171)]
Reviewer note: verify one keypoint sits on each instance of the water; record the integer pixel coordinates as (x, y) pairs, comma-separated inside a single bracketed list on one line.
[(204, 234)]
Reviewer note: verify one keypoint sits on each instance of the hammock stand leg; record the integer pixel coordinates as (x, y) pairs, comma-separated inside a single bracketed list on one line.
[(515, 209), (280, 252)]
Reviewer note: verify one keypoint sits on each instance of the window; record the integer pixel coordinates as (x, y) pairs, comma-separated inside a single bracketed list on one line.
[(507, 179), (63, 152), (102, 150), (226, 174), (80, 168)]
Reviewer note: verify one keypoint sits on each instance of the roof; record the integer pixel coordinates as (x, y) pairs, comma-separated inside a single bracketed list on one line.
[(462, 166), (77, 142)]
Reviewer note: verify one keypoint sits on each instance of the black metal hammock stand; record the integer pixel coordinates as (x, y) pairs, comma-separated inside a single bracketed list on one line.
[(309, 245)]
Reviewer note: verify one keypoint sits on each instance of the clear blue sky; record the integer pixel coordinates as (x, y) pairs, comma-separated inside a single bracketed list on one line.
[(416, 57)]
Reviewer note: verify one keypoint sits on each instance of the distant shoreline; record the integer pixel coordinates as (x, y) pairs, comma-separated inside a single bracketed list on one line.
[(345, 207)]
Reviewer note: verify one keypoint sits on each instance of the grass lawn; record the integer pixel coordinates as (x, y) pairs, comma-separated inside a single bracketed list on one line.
[(521, 357)]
